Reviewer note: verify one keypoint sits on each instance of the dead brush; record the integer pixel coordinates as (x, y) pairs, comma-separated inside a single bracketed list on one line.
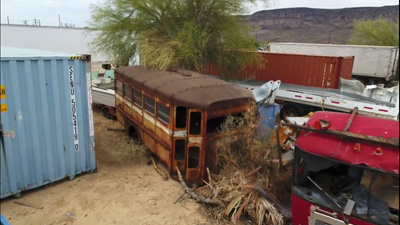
[(128, 150), (246, 164)]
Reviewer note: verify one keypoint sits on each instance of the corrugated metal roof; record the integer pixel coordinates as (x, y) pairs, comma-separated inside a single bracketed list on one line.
[(7, 51), (187, 88)]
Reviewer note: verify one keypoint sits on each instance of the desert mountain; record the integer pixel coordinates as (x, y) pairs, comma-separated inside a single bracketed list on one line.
[(309, 25)]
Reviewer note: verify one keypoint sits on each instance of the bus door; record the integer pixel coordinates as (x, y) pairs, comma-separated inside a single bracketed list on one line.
[(179, 139), (194, 151)]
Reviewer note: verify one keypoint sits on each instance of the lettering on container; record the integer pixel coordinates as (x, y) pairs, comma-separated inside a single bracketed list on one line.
[(73, 108)]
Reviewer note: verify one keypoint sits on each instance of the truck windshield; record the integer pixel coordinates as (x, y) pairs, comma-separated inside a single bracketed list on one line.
[(376, 194)]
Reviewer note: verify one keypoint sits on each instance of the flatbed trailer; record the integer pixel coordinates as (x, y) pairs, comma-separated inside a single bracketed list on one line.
[(298, 100)]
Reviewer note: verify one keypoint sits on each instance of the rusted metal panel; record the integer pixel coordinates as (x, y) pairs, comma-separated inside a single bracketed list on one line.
[(164, 136), (137, 117), (148, 122), (120, 118), (307, 70), (369, 141), (186, 88), (164, 155)]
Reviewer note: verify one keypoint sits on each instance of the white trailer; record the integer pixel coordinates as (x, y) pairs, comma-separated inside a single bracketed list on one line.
[(372, 62)]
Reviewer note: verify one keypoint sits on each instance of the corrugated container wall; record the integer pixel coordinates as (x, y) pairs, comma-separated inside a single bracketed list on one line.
[(46, 121), (307, 70)]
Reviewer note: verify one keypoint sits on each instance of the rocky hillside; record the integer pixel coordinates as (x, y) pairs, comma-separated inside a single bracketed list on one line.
[(308, 25)]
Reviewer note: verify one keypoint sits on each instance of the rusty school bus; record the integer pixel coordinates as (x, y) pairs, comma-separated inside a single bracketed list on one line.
[(176, 114)]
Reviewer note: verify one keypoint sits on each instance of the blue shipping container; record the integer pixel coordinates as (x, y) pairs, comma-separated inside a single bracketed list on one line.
[(46, 119)]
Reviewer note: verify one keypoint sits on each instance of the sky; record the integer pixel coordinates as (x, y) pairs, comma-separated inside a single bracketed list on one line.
[(77, 12)]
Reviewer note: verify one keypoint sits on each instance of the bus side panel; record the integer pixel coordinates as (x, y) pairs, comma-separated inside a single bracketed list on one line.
[(127, 107), (120, 118), (119, 103), (149, 142), (149, 122), (137, 113), (163, 133), (163, 154)]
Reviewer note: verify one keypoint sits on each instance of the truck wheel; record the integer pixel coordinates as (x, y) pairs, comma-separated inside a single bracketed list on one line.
[(291, 110), (106, 113)]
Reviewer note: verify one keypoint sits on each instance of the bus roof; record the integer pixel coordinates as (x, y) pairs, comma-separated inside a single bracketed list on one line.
[(381, 157), (186, 88)]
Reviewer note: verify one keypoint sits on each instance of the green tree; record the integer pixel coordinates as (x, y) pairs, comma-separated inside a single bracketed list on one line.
[(175, 33), (375, 32)]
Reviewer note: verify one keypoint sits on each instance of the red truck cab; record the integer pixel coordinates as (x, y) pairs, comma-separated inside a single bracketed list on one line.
[(348, 173)]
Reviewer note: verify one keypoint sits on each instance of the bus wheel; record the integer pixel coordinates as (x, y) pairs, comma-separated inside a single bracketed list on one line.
[(106, 113), (291, 110)]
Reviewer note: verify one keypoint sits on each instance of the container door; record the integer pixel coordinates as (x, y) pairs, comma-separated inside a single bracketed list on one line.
[(194, 146)]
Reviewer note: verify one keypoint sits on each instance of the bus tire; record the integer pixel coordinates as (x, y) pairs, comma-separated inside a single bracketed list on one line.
[(292, 110)]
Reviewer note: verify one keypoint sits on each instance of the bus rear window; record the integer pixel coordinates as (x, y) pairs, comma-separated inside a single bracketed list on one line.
[(194, 157), (180, 115), (214, 124)]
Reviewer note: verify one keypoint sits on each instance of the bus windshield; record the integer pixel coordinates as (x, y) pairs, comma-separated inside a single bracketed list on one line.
[(375, 193)]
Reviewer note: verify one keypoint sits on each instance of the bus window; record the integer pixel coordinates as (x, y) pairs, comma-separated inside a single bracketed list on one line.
[(194, 156), (119, 87), (137, 95), (163, 113), (181, 114), (128, 92), (149, 104), (195, 123), (215, 124), (180, 149)]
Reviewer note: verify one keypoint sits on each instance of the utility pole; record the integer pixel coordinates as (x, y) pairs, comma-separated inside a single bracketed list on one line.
[(59, 20), (8, 20)]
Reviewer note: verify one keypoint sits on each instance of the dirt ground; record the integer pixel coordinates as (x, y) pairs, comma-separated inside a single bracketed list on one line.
[(122, 191)]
